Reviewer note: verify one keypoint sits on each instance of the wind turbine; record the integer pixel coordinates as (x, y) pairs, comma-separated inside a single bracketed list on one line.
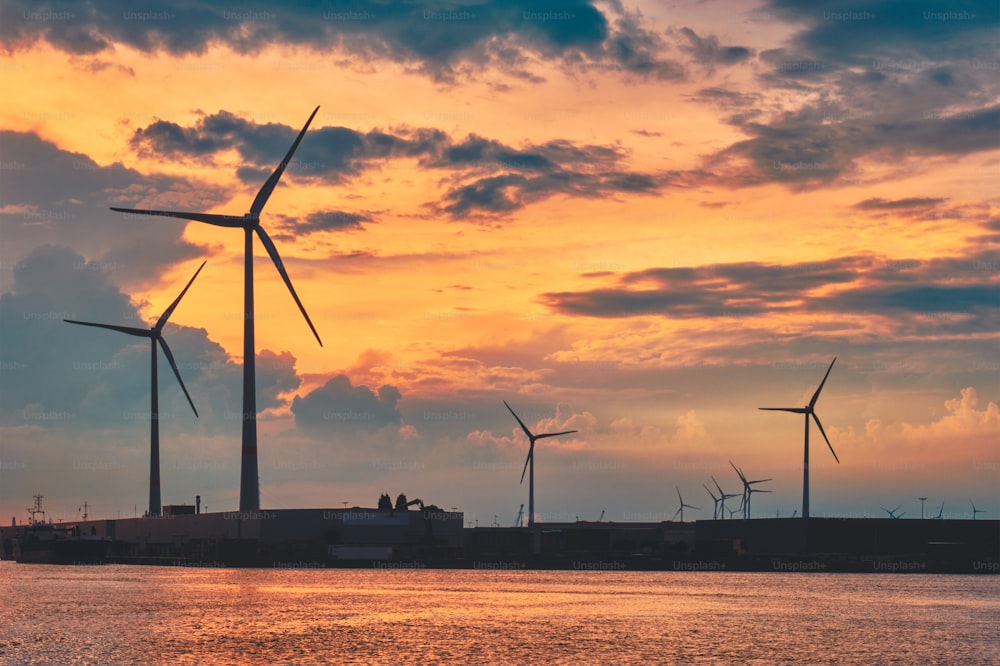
[(748, 489), (723, 497), (518, 522), (681, 509), (892, 513), (808, 411), (249, 222), (975, 510), (530, 461), (155, 335), (716, 500)]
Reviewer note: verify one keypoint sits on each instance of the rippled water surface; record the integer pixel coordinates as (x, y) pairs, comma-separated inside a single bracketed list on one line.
[(130, 614)]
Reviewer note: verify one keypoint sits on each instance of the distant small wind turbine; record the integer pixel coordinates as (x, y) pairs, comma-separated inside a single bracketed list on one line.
[(723, 497), (892, 512), (530, 461), (155, 335), (716, 500), (975, 510), (808, 411), (748, 489), (519, 521), (680, 511)]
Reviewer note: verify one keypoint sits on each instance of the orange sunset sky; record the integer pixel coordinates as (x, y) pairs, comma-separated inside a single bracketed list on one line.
[(642, 221)]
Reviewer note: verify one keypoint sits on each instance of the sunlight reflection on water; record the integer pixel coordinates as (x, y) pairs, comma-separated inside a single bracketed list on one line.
[(124, 614)]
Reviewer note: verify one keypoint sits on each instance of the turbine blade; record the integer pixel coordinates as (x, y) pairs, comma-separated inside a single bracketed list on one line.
[(675, 514), (812, 403), (527, 432), (268, 187), (272, 251), (209, 218), (531, 451), (823, 432), (679, 498), (169, 311), (140, 332), (555, 434), (793, 410), (173, 366)]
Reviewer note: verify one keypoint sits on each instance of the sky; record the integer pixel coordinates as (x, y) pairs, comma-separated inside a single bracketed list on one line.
[(638, 220)]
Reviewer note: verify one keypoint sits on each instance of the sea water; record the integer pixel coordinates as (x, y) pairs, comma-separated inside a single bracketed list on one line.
[(116, 614)]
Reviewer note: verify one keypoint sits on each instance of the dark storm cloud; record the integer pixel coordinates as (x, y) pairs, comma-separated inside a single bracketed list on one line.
[(491, 195), (339, 407), (330, 151), (496, 195), (878, 203), (968, 287), (440, 39), (721, 290), (727, 99), (799, 149), (320, 221), (707, 50), (75, 213), (40, 359), (880, 80), (854, 32), (637, 50), (992, 234), (490, 178)]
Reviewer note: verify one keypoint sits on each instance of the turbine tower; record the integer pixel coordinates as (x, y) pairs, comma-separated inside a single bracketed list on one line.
[(808, 411), (529, 462), (250, 224), (155, 336), (681, 509)]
